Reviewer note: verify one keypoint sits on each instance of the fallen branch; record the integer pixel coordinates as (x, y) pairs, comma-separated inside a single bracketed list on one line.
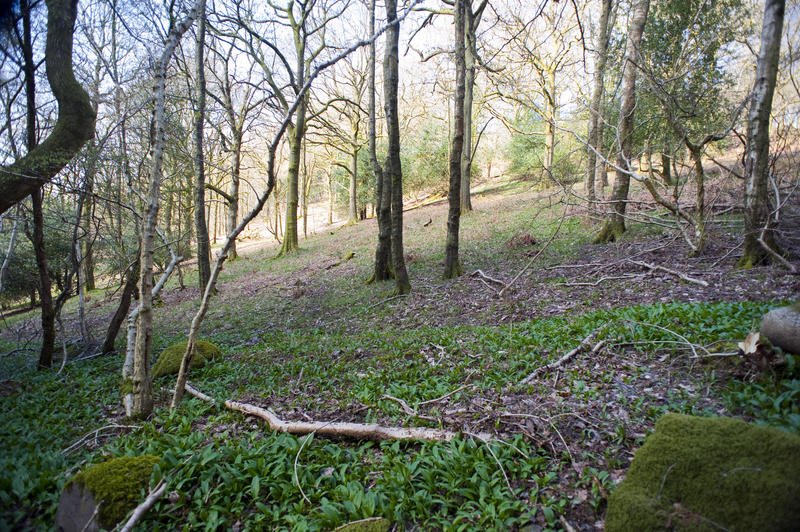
[(445, 396), (482, 275), (407, 409), (602, 280), (360, 431), (95, 432), (142, 509), (656, 267), (564, 359)]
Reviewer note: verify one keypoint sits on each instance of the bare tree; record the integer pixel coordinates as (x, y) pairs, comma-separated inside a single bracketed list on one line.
[(199, 118)]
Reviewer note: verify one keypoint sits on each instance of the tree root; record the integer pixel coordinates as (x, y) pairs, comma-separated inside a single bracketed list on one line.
[(358, 431)]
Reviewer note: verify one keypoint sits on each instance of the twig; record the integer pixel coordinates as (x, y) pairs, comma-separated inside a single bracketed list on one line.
[(561, 361), (445, 396), (88, 435), (362, 431), (602, 280), (685, 340), (502, 469), (142, 509), (407, 409), (683, 276)]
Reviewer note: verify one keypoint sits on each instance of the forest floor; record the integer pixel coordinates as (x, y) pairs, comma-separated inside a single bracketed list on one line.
[(306, 337)]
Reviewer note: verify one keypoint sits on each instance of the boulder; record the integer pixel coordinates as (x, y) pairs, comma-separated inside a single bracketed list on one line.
[(782, 327), (711, 474), (117, 485), (169, 361)]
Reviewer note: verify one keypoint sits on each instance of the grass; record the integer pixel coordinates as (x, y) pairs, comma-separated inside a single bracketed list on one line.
[(308, 340)]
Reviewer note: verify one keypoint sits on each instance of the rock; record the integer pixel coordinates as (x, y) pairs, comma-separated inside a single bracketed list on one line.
[(782, 327), (698, 473), (76, 508), (169, 361), (118, 485)]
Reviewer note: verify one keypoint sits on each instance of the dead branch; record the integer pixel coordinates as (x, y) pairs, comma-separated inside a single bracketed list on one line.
[(142, 509), (359, 431), (602, 280), (655, 267), (95, 432), (482, 275), (407, 409), (561, 361)]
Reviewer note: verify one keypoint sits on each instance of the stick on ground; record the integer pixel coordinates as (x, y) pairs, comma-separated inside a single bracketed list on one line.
[(561, 361)]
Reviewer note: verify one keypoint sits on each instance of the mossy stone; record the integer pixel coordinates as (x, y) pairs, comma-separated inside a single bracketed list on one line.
[(371, 524), (169, 361), (118, 483), (702, 474)]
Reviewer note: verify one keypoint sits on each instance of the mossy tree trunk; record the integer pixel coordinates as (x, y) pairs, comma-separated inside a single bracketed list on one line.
[(452, 265), (759, 230), (614, 225), (383, 185), (75, 123), (594, 136), (393, 168)]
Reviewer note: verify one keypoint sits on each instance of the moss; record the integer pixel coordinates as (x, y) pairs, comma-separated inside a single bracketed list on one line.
[(118, 483), (371, 524), (169, 362), (697, 473)]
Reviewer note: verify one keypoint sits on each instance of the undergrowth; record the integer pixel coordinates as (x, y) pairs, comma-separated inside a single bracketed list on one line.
[(228, 472)]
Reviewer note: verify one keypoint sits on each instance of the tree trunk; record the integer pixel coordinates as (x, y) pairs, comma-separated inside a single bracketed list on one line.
[(75, 123), (200, 221), (452, 266), (551, 109), (122, 310), (233, 201), (614, 225), (142, 386), (595, 108), (353, 204), (393, 168), (757, 215), (471, 21), (290, 241), (45, 286), (383, 186)]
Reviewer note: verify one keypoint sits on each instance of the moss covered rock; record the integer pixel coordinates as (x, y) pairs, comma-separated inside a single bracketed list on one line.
[(169, 361), (697, 473), (117, 485)]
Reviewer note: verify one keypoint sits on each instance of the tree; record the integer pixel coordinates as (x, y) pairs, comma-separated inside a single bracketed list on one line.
[(392, 167), (200, 222), (76, 117), (452, 266), (472, 19), (759, 235), (141, 382), (614, 225), (595, 165), (383, 185)]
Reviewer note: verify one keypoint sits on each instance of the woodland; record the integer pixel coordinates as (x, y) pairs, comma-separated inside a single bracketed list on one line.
[(419, 265)]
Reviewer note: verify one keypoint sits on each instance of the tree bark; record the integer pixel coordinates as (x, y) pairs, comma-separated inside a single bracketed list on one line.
[(383, 186), (122, 310), (614, 225), (595, 109), (757, 215), (393, 168), (452, 266), (471, 23), (75, 123), (200, 221), (353, 203)]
